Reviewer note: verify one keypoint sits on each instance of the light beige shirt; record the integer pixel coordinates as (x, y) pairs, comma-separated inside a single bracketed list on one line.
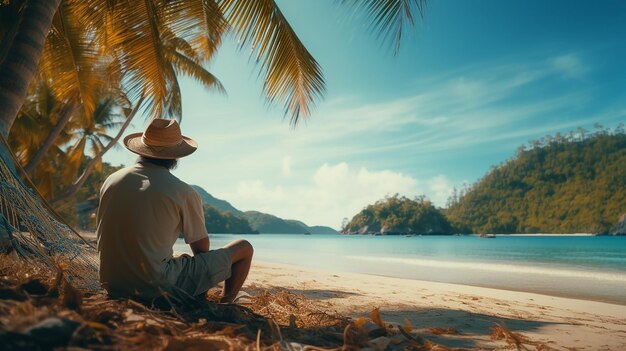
[(142, 211)]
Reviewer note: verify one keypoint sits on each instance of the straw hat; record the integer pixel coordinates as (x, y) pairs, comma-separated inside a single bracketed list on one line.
[(162, 139)]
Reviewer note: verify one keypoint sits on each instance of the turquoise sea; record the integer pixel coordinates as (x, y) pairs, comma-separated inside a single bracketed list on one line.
[(584, 267)]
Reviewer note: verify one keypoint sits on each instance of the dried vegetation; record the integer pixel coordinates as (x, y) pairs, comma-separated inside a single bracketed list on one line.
[(40, 310)]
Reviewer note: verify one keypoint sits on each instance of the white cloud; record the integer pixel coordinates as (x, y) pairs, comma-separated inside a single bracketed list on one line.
[(333, 192), (286, 166), (570, 65), (440, 189)]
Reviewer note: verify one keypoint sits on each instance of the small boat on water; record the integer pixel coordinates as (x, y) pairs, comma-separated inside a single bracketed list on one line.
[(487, 236)]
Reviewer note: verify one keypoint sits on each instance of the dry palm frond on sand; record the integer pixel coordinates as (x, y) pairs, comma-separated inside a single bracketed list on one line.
[(40, 309)]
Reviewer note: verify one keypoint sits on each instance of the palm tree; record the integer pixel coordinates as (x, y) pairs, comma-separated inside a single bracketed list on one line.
[(56, 175), (25, 27), (40, 114), (75, 73), (91, 139), (113, 112), (130, 32), (73, 66)]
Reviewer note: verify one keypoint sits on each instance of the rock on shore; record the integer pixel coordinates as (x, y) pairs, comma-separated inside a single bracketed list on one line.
[(620, 227)]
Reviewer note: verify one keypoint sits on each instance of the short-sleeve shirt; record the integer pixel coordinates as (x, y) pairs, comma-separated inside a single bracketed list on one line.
[(143, 210)]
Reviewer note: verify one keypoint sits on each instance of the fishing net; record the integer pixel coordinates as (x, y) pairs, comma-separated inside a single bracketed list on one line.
[(37, 232)]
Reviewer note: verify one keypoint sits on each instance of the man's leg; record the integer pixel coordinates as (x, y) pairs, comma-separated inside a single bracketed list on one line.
[(241, 253)]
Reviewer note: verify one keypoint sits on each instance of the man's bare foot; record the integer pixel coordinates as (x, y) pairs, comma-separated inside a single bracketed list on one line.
[(241, 297), (227, 299)]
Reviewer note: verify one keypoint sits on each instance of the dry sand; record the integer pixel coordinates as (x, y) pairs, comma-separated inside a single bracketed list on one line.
[(561, 323)]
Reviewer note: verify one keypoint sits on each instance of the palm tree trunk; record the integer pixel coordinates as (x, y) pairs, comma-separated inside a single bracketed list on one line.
[(18, 66), (64, 117), (78, 183), (20, 63)]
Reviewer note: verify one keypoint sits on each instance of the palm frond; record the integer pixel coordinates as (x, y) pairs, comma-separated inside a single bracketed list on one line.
[(182, 46), (44, 102), (292, 76), (75, 155), (174, 97), (197, 22), (390, 18), (189, 67), (103, 139), (105, 114), (36, 118), (96, 144), (134, 34), (70, 59), (92, 14)]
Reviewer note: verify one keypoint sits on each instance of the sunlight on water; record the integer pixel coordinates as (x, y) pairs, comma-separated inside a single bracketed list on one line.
[(503, 268)]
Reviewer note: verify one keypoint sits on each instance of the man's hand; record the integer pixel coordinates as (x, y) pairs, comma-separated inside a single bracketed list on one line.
[(200, 246)]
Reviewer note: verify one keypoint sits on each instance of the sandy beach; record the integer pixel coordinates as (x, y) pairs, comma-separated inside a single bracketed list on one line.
[(468, 312), (560, 323)]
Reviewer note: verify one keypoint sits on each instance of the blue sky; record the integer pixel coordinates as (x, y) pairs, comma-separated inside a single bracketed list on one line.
[(475, 81)]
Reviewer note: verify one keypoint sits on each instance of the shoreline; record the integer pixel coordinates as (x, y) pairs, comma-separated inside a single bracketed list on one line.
[(469, 310), (545, 234), (572, 296), (603, 284), (487, 291), (435, 235)]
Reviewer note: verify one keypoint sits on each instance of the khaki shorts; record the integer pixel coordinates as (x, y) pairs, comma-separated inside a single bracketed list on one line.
[(198, 273)]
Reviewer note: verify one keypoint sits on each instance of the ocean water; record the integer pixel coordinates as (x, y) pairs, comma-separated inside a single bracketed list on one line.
[(586, 267)]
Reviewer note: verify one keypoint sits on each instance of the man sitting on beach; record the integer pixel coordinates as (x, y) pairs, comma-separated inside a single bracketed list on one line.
[(143, 209)]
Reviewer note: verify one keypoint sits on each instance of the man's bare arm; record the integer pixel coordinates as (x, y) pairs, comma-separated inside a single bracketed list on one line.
[(200, 246)]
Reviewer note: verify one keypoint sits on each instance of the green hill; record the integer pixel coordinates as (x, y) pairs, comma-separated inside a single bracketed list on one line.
[(316, 229), (321, 229), (561, 184), (399, 215), (259, 222), (267, 223), (217, 221), (219, 204)]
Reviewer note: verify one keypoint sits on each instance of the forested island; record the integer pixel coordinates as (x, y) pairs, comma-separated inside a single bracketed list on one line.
[(399, 215), (573, 183), (560, 184)]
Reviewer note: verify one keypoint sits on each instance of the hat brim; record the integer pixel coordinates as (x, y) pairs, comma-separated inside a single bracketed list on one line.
[(134, 143)]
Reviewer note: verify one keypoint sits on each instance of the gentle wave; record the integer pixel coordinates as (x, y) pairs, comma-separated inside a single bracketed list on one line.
[(496, 267)]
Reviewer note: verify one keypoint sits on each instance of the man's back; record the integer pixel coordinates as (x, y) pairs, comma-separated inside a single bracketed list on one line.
[(142, 211)]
